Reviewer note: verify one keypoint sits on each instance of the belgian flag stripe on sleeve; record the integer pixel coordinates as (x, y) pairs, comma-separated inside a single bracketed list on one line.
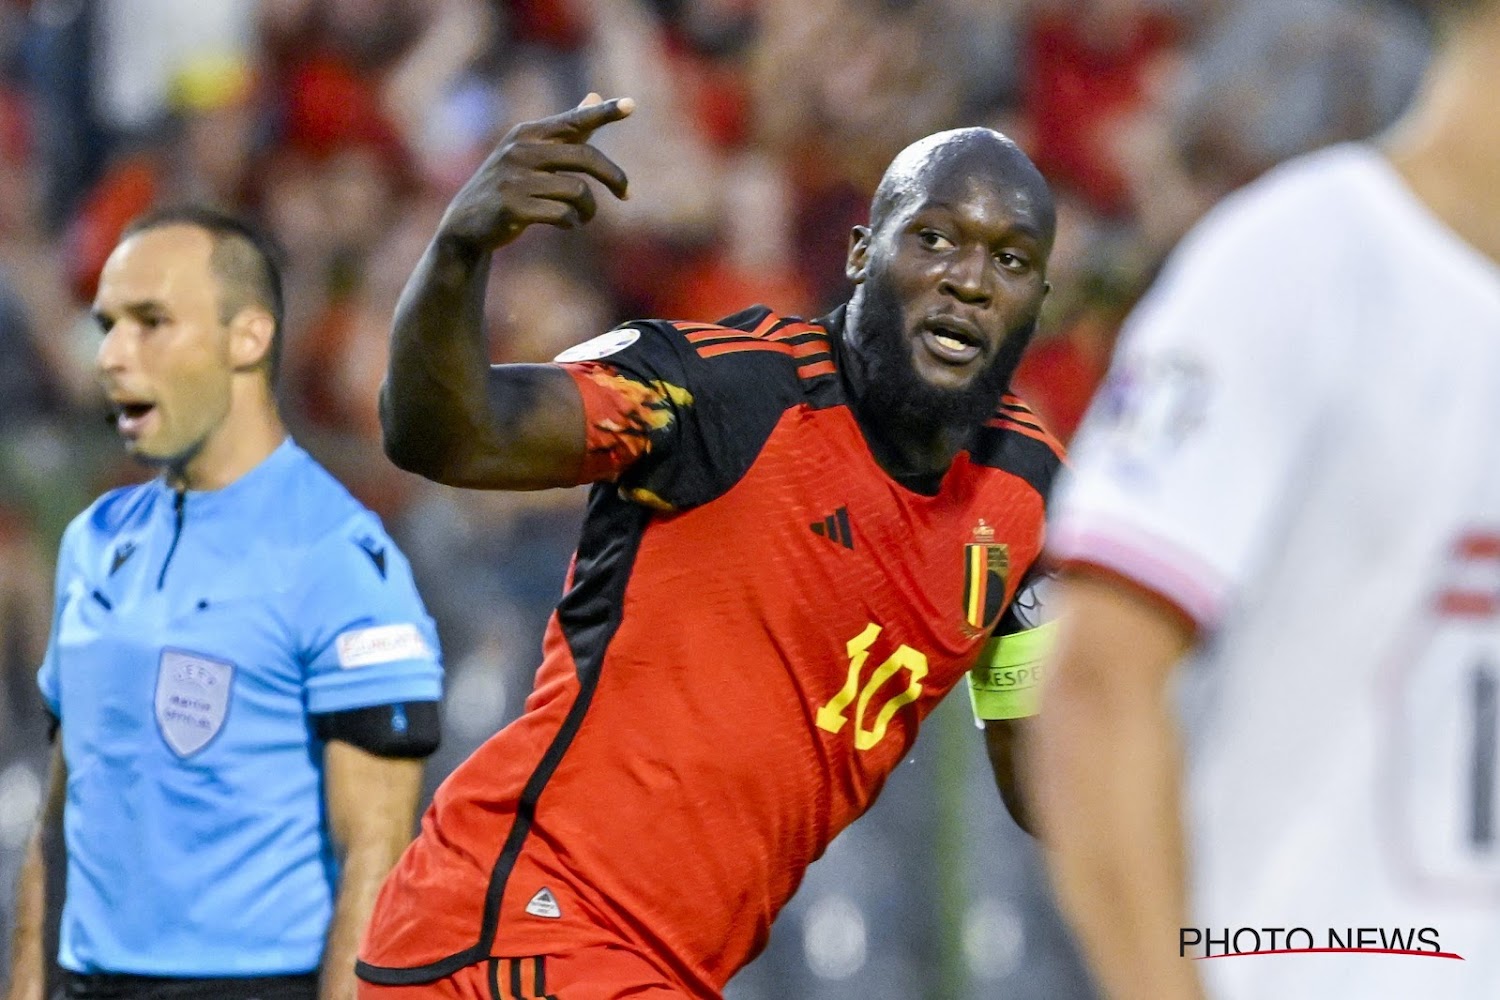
[(986, 567), (974, 586)]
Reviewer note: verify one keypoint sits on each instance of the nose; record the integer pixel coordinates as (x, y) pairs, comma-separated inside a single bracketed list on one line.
[(115, 348), (968, 278)]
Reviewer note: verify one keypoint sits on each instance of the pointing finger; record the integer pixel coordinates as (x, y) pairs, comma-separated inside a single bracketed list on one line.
[(579, 123)]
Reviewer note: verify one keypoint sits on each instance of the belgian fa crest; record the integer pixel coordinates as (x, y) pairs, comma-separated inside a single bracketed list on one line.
[(986, 570)]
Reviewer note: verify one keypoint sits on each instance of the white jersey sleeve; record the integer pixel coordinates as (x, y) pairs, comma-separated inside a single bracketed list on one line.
[(1211, 409)]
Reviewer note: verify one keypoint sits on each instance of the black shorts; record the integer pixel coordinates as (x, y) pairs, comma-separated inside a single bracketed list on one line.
[(109, 986)]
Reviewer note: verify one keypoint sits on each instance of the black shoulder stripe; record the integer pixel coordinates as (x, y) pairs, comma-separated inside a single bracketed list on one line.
[(819, 368), (1032, 460), (741, 344), (774, 331), (718, 333), (1022, 452), (803, 336), (746, 319), (1014, 415), (1025, 420)]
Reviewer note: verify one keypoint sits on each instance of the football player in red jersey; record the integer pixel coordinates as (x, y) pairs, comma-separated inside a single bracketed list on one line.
[(802, 535)]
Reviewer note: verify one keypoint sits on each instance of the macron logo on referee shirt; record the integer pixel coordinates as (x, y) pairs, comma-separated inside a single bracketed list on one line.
[(375, 551), (122, 554)]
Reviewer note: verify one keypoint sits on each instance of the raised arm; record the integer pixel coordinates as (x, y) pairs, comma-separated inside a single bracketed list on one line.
[(445, 412)]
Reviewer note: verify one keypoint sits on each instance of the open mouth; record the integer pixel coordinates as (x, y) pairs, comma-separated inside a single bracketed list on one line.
[(952, 341), (131, 416)]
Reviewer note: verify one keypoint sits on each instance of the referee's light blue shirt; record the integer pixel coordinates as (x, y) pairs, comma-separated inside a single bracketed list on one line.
[(192, 637)]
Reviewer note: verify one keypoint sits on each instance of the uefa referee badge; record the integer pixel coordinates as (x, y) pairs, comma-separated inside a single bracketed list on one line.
[(192, 699), (986, 569)]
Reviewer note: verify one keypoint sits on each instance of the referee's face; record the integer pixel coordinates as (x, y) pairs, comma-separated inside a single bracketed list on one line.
[(164, 360)]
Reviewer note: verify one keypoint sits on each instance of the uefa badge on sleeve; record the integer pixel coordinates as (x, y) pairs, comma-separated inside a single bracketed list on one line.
[(192, 699), (601, 346)]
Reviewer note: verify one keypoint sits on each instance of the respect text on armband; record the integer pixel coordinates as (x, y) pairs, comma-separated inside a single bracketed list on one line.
[(1008, 678)]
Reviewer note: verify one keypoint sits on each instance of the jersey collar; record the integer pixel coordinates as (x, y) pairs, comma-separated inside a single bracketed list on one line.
[(259, 480)]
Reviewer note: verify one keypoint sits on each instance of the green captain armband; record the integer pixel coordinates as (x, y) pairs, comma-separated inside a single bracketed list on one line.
[(1006, 682)]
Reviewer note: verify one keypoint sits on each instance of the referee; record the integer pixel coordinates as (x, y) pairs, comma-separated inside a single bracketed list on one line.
[(243, 675)]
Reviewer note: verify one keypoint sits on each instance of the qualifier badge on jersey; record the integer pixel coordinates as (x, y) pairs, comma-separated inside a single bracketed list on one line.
[(986, 570), (192, 699)]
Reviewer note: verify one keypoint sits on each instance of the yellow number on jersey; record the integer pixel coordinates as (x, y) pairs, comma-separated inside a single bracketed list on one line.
[(831, 716)]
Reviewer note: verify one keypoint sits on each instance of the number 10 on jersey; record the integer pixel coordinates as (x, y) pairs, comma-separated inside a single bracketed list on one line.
[(833, 716)]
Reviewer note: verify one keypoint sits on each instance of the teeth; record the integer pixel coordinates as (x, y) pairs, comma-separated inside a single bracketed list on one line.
[(950, 342)]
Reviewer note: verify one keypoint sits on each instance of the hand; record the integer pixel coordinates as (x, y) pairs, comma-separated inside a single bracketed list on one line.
[(537, 174)]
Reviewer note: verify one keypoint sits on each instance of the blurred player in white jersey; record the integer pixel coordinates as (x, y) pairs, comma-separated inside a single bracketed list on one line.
[(1283, 528)]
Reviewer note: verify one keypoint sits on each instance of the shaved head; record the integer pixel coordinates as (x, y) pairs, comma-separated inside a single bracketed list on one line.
[(962, 154), (244, 260)]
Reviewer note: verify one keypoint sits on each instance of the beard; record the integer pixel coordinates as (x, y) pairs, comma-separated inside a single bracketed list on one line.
[(903, 399)]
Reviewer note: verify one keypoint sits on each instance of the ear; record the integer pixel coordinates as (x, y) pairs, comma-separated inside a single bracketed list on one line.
[(858, 261), (250, 334)]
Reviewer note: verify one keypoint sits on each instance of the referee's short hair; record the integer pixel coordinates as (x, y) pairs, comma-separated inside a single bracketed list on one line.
[(246, 261)]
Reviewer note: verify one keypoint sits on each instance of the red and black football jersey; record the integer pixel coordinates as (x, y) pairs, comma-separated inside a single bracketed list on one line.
[(757, 620)]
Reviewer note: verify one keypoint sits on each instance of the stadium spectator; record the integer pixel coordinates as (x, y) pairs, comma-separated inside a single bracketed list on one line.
[(243, 677), (720, 731), (1290, 477), (1090, 66)]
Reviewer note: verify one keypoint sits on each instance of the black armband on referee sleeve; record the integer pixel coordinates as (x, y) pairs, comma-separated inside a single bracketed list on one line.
[(405, 729), (53, 725)]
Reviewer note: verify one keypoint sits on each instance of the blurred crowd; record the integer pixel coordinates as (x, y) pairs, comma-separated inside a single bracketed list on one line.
[(343, 126)]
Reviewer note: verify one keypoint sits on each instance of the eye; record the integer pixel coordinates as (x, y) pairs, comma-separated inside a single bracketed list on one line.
[(1012, 261), (934, 240)]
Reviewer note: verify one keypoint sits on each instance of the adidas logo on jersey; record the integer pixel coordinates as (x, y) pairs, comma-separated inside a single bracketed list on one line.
[(835, 528), (544, 904)]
